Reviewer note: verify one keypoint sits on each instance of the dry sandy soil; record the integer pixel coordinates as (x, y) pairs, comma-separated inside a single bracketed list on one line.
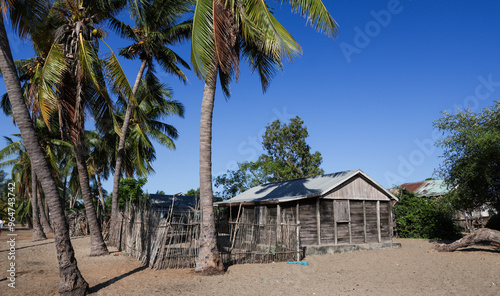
[(412, 270)]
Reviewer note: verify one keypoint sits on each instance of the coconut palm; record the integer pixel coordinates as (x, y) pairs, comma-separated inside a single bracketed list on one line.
[(223, 32), (154, 106), (101, 159), (156, 27), (83, 88), (22, 173), (71, 279)]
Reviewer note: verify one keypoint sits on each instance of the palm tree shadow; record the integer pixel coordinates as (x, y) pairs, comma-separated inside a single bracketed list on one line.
[(109, 282)]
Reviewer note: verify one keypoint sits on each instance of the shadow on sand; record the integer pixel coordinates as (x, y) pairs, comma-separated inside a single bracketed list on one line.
[(109, 282)]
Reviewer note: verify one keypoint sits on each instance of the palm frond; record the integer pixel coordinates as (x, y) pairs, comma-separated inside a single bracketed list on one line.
[(316, 14), (203, 42), (46, 78)]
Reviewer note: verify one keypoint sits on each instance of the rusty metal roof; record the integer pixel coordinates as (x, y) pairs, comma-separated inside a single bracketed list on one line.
[(428, 188)]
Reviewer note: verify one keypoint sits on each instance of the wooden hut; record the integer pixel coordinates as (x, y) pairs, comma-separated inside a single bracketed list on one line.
[(336, 212)]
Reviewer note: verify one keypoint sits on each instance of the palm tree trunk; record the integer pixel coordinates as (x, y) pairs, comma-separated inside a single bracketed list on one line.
[(44, 220), (119, 158), (97, 245), (101, 194), (208, 256), (38, 233), (71, 280)]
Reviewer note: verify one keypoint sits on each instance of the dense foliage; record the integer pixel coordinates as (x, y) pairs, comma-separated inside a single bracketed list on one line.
[(429, 218), (130, 192), (471, 145), (494, 222), (193, 192), (287, 157)]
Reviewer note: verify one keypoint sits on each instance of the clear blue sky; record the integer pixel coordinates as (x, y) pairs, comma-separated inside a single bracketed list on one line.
[(368, 98)]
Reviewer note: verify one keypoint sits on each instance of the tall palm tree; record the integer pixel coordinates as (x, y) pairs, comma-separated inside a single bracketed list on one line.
[(156, 26), (224, 31), (71, 278), (83, 87)]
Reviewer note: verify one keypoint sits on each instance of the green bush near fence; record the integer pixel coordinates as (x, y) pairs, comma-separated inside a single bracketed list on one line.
[(428, 218)]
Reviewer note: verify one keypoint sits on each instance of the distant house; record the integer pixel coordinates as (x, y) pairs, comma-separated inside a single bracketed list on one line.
[(178, 204), (337, 212), (438, 188), (428, 188)]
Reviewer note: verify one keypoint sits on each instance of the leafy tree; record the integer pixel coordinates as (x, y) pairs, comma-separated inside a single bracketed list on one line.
[(471, 152), (130, 192), (287, 157), (428, 218), (193, 192)]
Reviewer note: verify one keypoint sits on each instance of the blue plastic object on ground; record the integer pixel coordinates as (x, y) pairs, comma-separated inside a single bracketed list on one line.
[(298, 262)]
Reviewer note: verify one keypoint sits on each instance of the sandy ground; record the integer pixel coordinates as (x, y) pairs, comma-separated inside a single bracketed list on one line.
[(412, 270)]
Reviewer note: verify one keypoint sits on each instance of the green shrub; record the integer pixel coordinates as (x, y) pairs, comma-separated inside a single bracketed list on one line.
[(494, 222), (429, 218)]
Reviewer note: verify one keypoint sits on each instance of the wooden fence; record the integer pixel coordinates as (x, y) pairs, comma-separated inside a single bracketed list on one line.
[(171, 241)]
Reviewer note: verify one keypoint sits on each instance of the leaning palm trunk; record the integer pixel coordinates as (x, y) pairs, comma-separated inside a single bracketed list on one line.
[(44, 220), (208, 256), (71, 281), (121, 154), (38, 233), (97, 245)]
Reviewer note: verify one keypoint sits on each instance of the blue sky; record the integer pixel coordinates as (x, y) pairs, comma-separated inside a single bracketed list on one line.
[(368, 98)]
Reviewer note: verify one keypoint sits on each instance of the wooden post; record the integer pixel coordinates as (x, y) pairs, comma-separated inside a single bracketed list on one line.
[(318, 222), (297, 213), (298, 238), (378, 222), (278, 222), (364, 219), (390, 220), (349, 225), (334, 222)]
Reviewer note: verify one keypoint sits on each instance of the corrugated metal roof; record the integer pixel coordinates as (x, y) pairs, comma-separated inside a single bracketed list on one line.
[(180, 202), (428, 188), (298, 189)]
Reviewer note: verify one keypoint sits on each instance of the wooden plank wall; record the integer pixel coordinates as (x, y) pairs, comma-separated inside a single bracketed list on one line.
[(289, 212), (371, 221), (357, 222), (308, 222), (385, 221), (358, 189), (360, 224), (326, 222)]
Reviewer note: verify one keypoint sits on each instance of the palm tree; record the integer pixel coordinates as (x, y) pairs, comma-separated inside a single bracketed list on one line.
[(224, 31), (101, 159), (156, 27), (22, 172), (83, 88), (154, 106), (71, 279)]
